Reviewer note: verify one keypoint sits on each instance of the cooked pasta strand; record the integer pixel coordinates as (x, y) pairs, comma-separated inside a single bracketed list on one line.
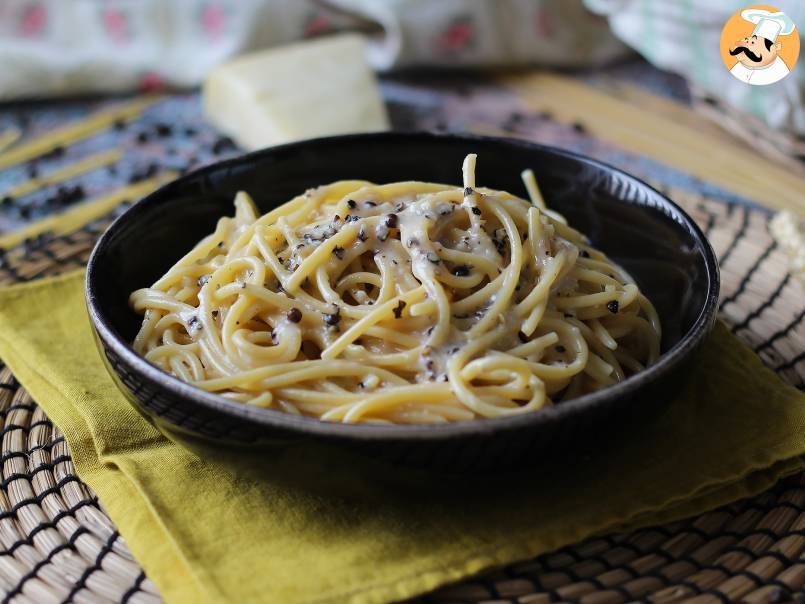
[(407, 302)]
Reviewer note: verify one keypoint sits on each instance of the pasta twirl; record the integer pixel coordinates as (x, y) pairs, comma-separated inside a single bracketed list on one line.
[(408, 302)]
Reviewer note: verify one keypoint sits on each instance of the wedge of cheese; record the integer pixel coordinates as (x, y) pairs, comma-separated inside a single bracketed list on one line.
[(314, 88)]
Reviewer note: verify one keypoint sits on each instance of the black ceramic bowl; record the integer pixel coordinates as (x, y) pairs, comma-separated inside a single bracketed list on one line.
[(634, 224)]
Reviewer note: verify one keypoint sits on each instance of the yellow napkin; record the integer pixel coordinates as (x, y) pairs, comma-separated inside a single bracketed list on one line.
[(299, 524)]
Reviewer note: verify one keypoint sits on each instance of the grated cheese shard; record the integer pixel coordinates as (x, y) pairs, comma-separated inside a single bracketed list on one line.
[(789, 233), (304, 90)]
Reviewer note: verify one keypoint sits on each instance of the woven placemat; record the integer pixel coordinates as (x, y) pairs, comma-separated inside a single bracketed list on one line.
[(59, 545), (782, 145)]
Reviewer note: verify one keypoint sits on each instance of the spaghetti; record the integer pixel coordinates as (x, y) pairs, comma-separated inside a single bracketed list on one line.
[(408, 302)]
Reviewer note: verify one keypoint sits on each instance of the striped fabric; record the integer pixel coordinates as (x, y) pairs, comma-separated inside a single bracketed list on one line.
[(683, 36)]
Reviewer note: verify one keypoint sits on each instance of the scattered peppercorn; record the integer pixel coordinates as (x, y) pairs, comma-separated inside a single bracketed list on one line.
[(351, 203), (294, 315), (579, 127), (585, 254), (333, 318), (190, 131), (391, 221), (223, 143), (476, 210), (462, 270), (338, 252), (511, 122), (362, 234), (54, 153), (66, 195), (119, 124), (163, 130), (7, 200), (146, 172), (142, 137), (412, 242), (613, 306), (468, 191), (398, 309)]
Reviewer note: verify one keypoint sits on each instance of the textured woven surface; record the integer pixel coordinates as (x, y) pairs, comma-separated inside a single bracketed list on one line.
[(58, 545)]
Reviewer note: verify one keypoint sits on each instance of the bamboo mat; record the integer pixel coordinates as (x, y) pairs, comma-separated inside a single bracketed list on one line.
[(58, 545)]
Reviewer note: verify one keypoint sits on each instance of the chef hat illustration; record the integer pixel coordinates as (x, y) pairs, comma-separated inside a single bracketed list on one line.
[(768, 25)]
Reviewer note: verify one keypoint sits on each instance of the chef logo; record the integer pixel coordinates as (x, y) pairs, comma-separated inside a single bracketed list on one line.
[(759, 45)]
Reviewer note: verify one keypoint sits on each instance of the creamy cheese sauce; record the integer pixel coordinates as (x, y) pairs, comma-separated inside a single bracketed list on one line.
[(406, 302)]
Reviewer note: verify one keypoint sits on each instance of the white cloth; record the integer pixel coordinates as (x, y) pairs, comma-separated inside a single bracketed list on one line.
[(761, 76), (58, 47), (675, 38)]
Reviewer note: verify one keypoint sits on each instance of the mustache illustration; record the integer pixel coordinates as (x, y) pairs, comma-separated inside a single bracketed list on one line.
[(743, 49)]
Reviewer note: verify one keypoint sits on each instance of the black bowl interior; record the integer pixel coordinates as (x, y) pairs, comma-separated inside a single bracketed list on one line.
[(632, 223)]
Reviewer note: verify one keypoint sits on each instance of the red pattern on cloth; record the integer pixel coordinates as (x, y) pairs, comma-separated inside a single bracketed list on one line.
[(116, 24), (544, 23), (151, 81), (213, 20), (33, 20), (457, 37), (317, 25)]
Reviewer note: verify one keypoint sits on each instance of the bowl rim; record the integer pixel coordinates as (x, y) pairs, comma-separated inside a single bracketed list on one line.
[(270, 418)]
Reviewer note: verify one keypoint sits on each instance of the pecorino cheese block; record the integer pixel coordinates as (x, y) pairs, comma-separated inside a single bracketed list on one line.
[(314, 88)]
